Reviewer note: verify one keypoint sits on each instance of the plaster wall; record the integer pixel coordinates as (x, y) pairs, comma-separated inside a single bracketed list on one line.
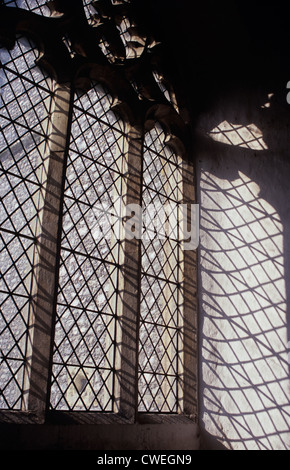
[(244, 279)]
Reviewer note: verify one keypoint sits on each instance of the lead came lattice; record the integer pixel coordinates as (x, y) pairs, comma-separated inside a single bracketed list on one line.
[(84, 355), (24, 110), (160, 317)]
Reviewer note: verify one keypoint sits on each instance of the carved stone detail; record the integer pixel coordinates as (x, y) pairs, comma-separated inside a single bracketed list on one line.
[(108, 47)]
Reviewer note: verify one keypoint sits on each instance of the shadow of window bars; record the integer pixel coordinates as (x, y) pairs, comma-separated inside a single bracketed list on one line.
[(236, 134), (245, 370)]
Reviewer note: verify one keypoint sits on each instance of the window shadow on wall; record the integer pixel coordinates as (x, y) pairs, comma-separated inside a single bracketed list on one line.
[(244, 279)]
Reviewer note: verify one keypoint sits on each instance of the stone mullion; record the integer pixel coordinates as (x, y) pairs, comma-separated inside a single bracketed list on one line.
[(187, 357), (41, 324), (128, 296)]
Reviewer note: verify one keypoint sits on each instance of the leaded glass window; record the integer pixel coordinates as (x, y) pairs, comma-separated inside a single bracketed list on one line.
[(26, 97), (90, 322), (85, 332), (161, 303)]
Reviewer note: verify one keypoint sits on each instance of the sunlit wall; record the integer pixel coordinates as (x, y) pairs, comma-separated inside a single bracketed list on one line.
[(244, 276)]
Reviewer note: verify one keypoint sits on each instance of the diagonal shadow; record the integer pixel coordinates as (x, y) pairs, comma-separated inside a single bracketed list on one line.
[(244, 275)]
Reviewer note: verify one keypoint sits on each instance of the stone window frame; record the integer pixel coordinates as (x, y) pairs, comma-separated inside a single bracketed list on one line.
[(38, 373)]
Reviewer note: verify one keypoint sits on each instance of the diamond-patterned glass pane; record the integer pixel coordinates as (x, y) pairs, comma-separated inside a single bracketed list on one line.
[(25, 98), (160, 259), (158, 350), (84, 343), (21, 60), (159, 393), (160, 315), (37, 6), (156, 296), (161, 175)]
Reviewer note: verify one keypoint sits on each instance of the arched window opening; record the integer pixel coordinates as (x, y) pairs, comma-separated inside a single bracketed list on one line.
[(91, 322)]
